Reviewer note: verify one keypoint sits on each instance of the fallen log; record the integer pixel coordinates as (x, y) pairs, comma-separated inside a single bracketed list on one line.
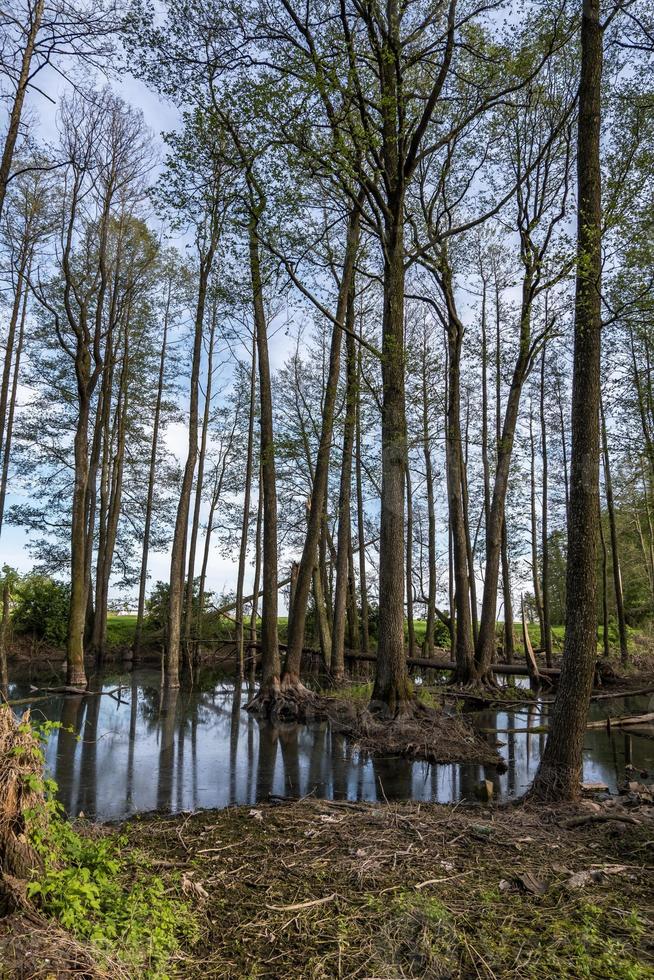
[(424, 662), (428, 663), (623, 722)]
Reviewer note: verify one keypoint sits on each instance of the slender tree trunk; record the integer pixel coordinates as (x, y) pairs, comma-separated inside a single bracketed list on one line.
[(564, 451), (154, 447), (431, 511), (257, 578), (13, 128), (472, 581), (270, 663), (535, 577), (411, 632), (486, 643), (615, 554), (344, 548), (545, 544), (352, 613), (245, 524), (559, 772), (4, 639), (484, 415), (199, 488), (464, 650), (509, 645), (13, 396), (178, 554), (215, 500), (605, 591), (293, 661), (363, 589), (322, 619), (20, 297), (113, 506), (75, 675)]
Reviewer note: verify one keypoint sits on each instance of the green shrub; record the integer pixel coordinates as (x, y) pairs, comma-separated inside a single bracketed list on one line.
[(104, 893), (42, 608)]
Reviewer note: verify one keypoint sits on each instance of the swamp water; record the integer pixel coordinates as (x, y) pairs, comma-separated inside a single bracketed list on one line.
[(181, 750)]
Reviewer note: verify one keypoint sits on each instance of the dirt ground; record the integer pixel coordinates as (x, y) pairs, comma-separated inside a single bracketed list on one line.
[(317, 889)]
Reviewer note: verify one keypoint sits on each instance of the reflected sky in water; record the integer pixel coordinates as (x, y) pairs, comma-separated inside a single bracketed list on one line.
[(181, 750)]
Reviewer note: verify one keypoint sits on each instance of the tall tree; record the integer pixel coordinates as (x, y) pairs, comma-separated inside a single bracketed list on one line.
[(559, 771)]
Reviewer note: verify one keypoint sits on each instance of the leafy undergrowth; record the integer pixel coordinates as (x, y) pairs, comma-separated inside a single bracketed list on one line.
[(103, 893), (90, 899), (316, 889)]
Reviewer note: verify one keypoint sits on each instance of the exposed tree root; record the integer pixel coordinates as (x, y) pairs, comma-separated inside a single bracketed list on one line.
[(286, 701), (417, 732), (555, 784)]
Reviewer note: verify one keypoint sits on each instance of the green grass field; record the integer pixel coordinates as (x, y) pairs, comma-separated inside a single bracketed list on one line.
[(120, 632)]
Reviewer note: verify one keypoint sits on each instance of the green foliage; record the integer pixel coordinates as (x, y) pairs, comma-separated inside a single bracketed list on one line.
[(42, 608), (103, 893)]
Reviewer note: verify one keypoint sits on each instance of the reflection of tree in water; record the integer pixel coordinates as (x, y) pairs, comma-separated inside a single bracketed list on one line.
[(133, 717), (288, 740), (89, 760), (167, 746), (317, 755), (266, 759), (69, 712), (234, 731), (393, 777), (340, 757)]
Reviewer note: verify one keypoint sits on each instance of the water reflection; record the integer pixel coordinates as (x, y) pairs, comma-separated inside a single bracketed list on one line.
[(149, 748)]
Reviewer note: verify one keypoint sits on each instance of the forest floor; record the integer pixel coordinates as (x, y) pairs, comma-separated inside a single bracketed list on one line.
[(316, 889)]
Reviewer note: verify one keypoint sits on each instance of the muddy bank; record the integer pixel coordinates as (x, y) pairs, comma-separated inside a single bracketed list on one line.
[(316, 889)]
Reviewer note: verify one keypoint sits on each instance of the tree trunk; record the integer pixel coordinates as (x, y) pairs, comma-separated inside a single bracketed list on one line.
[(344, 547), (293, 660), (114, 504), (509, 645), (199, 487), (270, 664), (178, 553), (75, 674), (19, 98), (257, 578), (463, 651), (358, 471), (535, 577), (487, 640), (431, 511), (215, 499), (20, 298), (392, 689), (4, 639), (411, 632), (605, 591), (9, 427), (547, 626), (559, 772), (154, 446), (615, 554), (245, 524)]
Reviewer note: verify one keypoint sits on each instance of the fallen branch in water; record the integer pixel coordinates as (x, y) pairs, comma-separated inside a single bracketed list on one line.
[(623, 722)]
